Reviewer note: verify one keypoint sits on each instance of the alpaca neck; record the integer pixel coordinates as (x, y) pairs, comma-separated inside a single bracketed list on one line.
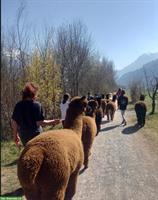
[(91, 114), (74, 122)]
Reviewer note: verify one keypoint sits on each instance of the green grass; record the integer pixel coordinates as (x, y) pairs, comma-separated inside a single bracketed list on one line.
[(130, 106), (58, 126), (151, 128), (9, 155), (152, 121), (9, 152), (151, 125)]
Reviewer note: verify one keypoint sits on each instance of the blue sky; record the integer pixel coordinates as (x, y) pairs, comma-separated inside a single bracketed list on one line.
[(121, 30)]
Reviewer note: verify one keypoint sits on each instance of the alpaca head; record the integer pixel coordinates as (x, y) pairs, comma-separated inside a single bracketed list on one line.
[(92, 106), (114, 98), (142, 97), (98, 99), (78, 105), (76, 108)]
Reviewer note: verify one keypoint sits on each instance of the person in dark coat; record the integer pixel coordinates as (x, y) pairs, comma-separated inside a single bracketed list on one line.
[(27, 118), (122, 105)]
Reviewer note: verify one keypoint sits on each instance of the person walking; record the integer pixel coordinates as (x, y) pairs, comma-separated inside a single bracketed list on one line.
[(27, 118), (64, 106), (89, 96), (122, 105), (118, 93)]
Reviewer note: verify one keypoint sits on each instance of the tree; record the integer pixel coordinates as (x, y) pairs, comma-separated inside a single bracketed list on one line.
[(22, 41), (109, 75), (9, 82), (73, 49), (100, 77), (152, 89), (46, 73), (14, 61), (136, 89)]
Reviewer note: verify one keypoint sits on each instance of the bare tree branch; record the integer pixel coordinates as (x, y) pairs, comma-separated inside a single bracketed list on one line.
[(152, 88)]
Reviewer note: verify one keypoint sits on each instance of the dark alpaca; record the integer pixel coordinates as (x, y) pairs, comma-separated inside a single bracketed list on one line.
[(140, 109), (99, 115)]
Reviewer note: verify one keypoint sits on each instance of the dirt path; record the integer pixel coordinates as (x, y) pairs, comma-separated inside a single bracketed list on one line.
[(123, 165)]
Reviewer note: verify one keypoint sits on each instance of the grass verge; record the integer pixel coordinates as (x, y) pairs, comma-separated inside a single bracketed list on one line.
[(10, 186)]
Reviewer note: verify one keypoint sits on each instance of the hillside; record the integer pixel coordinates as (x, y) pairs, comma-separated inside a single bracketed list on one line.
[(138, 63), (151, 68)]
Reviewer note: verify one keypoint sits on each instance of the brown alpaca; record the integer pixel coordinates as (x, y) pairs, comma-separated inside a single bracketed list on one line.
[(91, 108), (89, 130), (99, 115), (49, 165), (103, 105), (110, 110)]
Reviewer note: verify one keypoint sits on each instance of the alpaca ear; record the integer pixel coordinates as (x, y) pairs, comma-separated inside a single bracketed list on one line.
[(83, 98)]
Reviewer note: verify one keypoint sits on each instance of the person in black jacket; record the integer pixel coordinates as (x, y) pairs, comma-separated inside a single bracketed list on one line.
[(27, 118), (122, 105)]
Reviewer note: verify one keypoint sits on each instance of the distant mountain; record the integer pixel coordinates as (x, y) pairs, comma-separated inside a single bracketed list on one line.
[(151, 69), (137, 64)]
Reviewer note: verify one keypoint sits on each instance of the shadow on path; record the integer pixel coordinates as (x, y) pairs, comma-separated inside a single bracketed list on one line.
[(109, 128), (131, 129), (17, 193), (104, 122)]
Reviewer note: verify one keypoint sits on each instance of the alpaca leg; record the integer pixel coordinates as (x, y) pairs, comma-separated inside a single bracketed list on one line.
[(144, 114), (97, 132), (31, 193), (98, 128), (71, 188), (112, 115), (53, 195), (53, 184), (142, 119), (108, 116), (55, 191), (46, 193), (86, 158), (103, 113), (138, 118)]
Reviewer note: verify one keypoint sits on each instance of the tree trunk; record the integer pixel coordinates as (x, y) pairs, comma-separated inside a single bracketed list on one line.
[(153, 104)]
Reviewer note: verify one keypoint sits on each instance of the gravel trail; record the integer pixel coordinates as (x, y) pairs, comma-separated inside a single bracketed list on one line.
[(123, 165)]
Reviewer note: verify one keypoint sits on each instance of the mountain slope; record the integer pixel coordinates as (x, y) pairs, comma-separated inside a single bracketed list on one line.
[(137, 64), (151, 69)]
